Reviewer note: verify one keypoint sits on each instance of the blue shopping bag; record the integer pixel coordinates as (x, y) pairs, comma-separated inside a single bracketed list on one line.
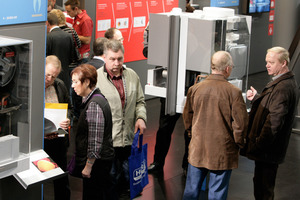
[(138, 166)]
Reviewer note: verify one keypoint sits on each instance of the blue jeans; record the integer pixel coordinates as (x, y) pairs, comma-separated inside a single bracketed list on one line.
[(217, 187)]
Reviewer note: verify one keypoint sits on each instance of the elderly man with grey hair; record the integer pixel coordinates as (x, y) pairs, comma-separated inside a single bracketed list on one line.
[(215, 115)]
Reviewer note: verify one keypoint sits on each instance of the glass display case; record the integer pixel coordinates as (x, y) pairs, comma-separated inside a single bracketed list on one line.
[(183, 43), (15, 94), (17, 158)]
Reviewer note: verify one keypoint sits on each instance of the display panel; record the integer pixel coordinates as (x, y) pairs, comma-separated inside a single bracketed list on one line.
[(224, 3), (24, 11), (131, 18), (257, 6)]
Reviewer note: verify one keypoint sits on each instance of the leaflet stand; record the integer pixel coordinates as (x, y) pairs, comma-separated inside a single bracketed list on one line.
[(35, 175)]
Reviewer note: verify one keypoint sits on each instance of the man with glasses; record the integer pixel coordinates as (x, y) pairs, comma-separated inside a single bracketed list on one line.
[(56, 147)]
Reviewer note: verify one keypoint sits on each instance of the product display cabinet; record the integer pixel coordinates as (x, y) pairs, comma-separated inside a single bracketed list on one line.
[(181, 45), (15, 76)]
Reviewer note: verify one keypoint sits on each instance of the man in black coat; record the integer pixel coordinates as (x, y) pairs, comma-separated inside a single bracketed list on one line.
[(60, 44), (270, 122), (98, 49)]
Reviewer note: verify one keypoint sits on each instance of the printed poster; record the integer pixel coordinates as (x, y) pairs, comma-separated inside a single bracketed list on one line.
[(131, 18)]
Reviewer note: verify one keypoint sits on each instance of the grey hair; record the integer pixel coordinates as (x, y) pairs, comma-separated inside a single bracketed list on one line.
[(114, 45), (220, 60), (283, 54)]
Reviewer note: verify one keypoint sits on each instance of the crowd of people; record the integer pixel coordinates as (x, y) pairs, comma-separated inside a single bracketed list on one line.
[(105, 98), (107, 107)]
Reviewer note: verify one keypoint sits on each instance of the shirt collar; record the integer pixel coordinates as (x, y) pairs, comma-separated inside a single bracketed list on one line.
[(99, 58), (276, 77), (81, 14), (54, 28), (88, 96), (111, 75)]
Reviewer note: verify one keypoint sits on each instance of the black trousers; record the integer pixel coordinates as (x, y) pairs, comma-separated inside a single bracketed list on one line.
[(164, 134), (264, 180), (99, 186), (57, 150), (120, 170)]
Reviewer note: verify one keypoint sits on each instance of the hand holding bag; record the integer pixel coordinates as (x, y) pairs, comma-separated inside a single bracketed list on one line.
[(138, 166)]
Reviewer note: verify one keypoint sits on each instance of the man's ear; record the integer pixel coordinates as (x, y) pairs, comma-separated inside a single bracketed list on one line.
[(284, 63), (227, 70)]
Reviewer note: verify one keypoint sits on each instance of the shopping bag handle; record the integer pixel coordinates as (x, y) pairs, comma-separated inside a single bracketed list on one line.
[(137, 139)]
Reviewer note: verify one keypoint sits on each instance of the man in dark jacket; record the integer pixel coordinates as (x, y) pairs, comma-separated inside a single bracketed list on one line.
[(98, 48), (56, 147), (60, 43), (270, 122)]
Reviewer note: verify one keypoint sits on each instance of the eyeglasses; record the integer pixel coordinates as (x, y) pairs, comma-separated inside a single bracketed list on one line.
[(75, 82), (50, 76)]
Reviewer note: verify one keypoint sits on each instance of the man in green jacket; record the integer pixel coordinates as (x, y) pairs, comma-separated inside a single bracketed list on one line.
[(122, 88)]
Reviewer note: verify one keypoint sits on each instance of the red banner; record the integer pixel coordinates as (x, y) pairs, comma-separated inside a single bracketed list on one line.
[(271, 16), (272, 4), (270, 29), (131, 18)]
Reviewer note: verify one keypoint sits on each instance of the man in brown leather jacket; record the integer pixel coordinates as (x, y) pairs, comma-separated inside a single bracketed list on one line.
[(215, 114)]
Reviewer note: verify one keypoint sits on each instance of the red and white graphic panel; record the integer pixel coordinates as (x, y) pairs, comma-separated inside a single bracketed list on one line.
[(131, 18)]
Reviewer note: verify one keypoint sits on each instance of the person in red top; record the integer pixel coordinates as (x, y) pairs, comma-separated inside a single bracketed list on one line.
[(83, 25)]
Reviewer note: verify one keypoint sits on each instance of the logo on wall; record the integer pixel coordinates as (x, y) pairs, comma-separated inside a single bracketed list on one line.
[(37, 5)]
